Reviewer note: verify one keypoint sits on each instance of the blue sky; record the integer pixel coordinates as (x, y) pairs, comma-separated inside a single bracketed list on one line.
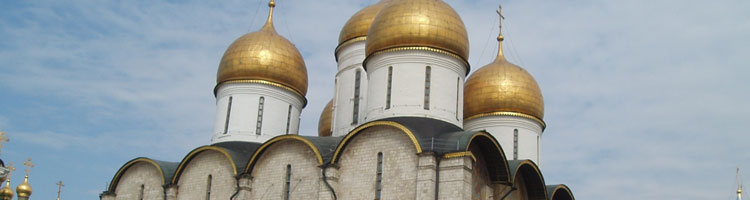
[(644, 99)]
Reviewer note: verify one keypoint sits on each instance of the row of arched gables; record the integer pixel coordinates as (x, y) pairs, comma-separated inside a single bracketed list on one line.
[(244, 155)]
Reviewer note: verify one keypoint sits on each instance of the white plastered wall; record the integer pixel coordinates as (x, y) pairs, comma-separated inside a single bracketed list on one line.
[(408, 86), (244, 112), (502, 128), (350, 57)]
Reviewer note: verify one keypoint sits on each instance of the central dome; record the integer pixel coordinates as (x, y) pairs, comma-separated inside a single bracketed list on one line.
[(418, 23)]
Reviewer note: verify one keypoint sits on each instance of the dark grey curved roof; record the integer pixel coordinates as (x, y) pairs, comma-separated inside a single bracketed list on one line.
[(167, 170), (239, 151), (559, 192), (326, 145), (532, 177)]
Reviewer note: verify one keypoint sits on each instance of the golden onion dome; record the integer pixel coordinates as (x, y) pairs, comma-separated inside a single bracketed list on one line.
[(503, 88), (264, 57), (6, 192), (324, 123), (418, 24), (359, 23), (24, 189)]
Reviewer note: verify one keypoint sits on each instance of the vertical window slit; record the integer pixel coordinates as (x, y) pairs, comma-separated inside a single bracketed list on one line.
[(379, 186), (229, 112), (355, 114), (143, 188), (288, 184), (259, 123), (427, 77), (288, 118), (515, 144), (388, 88), (458, 92), (208, 187)]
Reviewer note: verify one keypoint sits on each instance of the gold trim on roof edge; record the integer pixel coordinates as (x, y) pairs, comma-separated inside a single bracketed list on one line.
[(261, 82), (356, 131), (127, 165), (461, 154), (189, 157), (280, 138)]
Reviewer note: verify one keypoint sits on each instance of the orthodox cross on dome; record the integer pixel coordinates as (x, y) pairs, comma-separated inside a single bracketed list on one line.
[(500, 13), (11, 169), (28, 165), (59, 188), (739, 185), (3, 139)]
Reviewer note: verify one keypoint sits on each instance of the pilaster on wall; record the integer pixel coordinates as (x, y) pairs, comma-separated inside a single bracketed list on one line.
[(171, 191), (426, 176), (245, 189), (332, 177), (455, 178)]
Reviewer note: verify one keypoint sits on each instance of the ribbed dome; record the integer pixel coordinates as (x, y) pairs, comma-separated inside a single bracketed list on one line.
[(24, 189), (360, 22), (503, 88), (265, 57), (418, 23), (324, 123)]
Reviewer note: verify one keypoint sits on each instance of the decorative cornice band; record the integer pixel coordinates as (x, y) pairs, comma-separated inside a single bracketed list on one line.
[(514, 114), (419, 48), (265, 82)]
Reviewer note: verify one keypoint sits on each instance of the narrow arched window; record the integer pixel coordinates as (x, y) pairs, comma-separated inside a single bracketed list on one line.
[(259, 122), (208, 187), (379, 184), (427, 77), (515, 144), (388, 88), (288, 118), (458, 97), (355, 111), (229, 112), (288, 184), (143, 188)]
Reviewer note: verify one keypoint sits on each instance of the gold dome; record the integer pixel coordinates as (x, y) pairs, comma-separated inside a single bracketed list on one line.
[(359, 23), (503, 88), (410, 24), (24, 189), (324, 123), (6, 192), (264, 57)]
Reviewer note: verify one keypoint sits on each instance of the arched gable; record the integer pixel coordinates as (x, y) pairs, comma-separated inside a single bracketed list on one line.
[(532, 177), (277, 139), (359, 129), (497, 164), (194, 153), (559, 192), (165, 169)]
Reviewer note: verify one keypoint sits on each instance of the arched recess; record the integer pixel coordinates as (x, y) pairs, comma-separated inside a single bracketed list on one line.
[(359, 129), (560, 192), (497, 165), (277, 139), (532, 178), (165, 169), (194, 153)]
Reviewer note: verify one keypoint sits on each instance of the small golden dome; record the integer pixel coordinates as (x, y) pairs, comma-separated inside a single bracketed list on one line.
[(359, 23), (324, 123), (503, 88), (265, 57), (6, 192), (24, 189), (418, 23)]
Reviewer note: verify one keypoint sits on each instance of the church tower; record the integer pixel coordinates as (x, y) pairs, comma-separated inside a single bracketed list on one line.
[(260, 87), (505, 100), (416, 62)]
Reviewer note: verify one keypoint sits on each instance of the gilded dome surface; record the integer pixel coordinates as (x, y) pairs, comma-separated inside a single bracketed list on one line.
[(324, 123), (418, 23), (360, 22), (24, 189), (6, 191), (502, 88), (264, 56)]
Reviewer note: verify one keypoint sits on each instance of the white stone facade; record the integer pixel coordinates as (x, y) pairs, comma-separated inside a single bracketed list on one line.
[(280, 113), (527, 146)]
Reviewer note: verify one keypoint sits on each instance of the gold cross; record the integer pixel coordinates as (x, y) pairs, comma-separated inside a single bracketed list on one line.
[(29, 165), (59, 188), (3, 139)]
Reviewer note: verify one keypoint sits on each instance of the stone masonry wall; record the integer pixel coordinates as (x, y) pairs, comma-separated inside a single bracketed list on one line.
[(140, 174), (269, 174), (193, 183)]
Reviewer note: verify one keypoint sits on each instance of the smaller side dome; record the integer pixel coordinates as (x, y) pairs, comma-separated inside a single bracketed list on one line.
[(418, 23), (6, 192), (24, 189), (324, 123), (264, 56), (359, 23), (503, 88)]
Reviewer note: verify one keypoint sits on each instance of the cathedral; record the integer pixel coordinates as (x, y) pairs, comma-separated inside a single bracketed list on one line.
[(407, 120)]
